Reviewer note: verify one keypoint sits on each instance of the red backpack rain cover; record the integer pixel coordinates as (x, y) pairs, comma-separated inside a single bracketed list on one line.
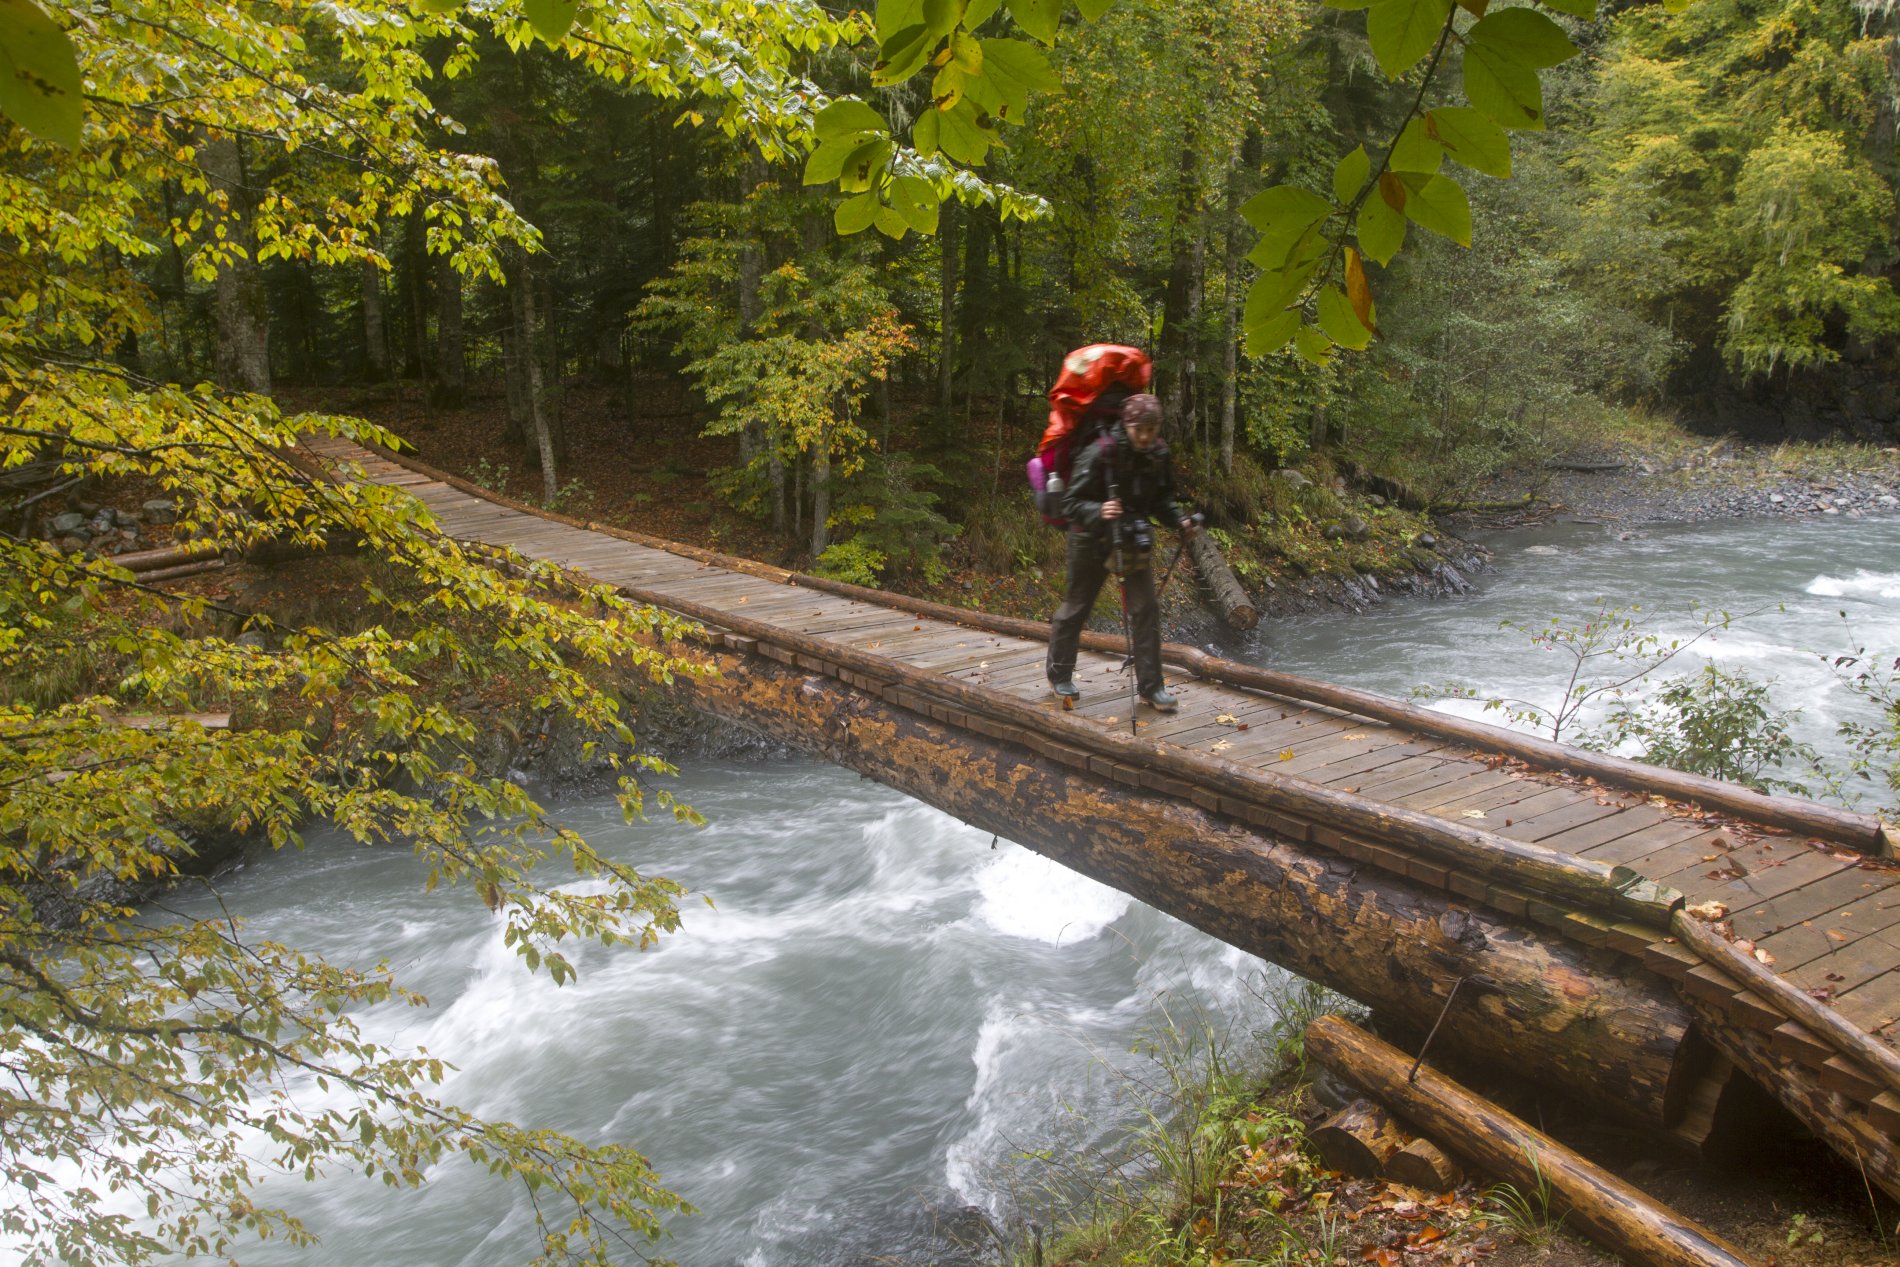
[(1086, 374)]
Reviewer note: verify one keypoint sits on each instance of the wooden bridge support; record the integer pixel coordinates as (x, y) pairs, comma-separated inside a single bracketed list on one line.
[(1607, 1031)]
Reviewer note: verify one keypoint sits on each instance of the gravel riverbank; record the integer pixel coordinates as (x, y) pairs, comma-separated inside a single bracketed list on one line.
[(1725, 480)]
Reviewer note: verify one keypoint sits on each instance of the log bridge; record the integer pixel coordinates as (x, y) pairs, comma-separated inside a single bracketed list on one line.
[(1650, 943)]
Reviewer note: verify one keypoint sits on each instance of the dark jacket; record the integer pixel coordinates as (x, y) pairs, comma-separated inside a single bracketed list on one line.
[(1144, 478)]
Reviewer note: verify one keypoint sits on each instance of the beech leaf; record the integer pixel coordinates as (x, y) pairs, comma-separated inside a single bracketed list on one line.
[(1402, 32), (1380, 229), (551, 19), (1472, 139), (39, 76), (1439, 203), (1351, 174), (1503, 88)]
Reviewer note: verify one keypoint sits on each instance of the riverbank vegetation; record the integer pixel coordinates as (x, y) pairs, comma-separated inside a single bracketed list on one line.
[(1220, 1169), (800, 273)]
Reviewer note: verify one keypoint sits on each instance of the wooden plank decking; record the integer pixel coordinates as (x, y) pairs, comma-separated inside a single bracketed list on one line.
[(1824, 916)]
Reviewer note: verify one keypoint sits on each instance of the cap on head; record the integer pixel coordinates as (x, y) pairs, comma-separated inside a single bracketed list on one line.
[(1141, 410)]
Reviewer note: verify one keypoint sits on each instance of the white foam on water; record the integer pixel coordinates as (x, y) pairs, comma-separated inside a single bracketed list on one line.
[(969, 1162), (1862, 584), (1024, 894)]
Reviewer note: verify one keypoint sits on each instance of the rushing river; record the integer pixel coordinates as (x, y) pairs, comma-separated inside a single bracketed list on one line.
[(884, 1012)]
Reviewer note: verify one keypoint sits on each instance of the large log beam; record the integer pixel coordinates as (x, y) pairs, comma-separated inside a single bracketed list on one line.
[(1591, 1022)]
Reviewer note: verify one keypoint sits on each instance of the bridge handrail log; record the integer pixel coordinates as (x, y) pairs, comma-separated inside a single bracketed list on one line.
[(1862, 832), (1842, 1034)]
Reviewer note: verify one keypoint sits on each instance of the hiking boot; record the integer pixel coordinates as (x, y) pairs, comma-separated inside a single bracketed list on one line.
[(1161, 701), (1065, 690)]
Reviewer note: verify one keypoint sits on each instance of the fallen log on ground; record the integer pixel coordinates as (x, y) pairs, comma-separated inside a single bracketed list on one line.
[(1609, 1031), (1608, 1210), (1229, 596), (165, 557), (1422, 1164), (180, 572), (1361, 1139)]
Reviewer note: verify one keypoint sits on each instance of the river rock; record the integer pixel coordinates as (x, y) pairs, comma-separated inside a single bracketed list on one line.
[(1428, 540), (1776, 499), (159, 511), (71, 545), (72, 523), (1357, 528), (1332, 532)]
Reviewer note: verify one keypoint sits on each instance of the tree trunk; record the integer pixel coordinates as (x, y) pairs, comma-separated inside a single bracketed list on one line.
[(521, 284), (517, 422), (415, 294), (375, 327), (753, 440), (537, 401), (550, 398), (972, 319), (1177, 335), (1610, 1211), (820, 500), (1230, 325), (950, 221), (243, 313), (183, 358), (1192, 406), (451, 350)]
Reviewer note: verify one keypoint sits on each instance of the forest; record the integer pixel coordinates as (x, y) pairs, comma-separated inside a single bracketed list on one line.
[(790, 280), (1699, 221)]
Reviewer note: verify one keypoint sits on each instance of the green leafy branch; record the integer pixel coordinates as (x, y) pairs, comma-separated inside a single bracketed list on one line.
[(980, 84), (1313, 289)]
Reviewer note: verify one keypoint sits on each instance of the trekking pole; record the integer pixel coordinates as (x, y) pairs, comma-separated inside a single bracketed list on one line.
[(1168, 575), (1115, 564)]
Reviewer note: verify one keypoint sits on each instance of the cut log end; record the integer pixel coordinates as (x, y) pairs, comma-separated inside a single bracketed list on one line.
[(1422, 1164), (1360, 1139)]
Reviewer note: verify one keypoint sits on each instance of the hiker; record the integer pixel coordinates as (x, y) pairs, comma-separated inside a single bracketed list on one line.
[(1120, 485)]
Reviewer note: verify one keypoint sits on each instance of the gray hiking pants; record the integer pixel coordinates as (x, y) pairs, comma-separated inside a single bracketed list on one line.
[(1088, 570)]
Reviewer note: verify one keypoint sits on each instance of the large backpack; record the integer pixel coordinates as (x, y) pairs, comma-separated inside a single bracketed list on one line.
[(1085, 401)]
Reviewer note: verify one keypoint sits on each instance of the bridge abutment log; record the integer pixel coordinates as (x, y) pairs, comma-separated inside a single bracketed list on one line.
[(1589, 1022)]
